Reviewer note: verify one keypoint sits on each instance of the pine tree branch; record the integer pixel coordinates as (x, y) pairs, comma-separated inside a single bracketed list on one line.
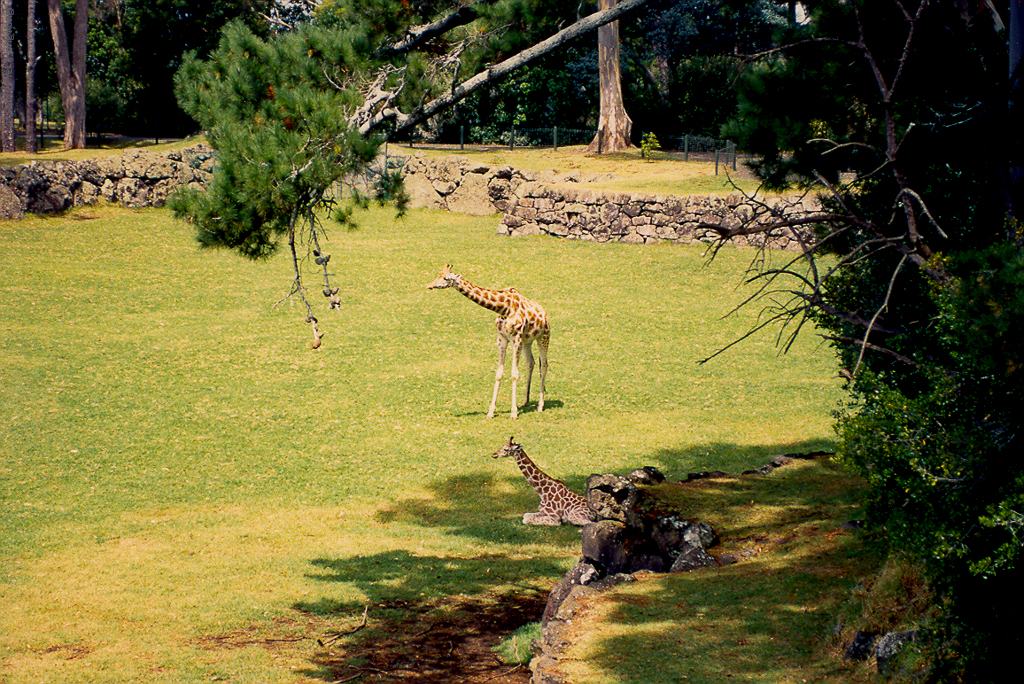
[(415, 36)]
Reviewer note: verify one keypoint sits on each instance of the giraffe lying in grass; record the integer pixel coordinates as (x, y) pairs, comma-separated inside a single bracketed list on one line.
[(520, 321), (558, 503)]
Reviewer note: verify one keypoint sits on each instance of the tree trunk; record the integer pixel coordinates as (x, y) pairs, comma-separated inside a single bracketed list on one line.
[(6, 78), (30, 80), (614, 125), (1016, 110), (71, 69)]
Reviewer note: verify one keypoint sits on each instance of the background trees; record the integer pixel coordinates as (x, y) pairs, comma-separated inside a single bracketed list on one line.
[(678, 60)]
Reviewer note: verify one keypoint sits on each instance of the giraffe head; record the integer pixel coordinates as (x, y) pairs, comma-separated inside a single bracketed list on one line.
[(445, 279), (509, 450)]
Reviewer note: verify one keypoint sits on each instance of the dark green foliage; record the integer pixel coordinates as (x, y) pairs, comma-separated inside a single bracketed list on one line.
[(278, 127), (135, 49), (680, 62), (924, 305)]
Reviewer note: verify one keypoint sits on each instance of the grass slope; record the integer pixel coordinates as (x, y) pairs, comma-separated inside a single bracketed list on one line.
[(189, 493)]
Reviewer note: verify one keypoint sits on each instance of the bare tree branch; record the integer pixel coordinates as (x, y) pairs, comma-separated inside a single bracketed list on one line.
[(403, 121)]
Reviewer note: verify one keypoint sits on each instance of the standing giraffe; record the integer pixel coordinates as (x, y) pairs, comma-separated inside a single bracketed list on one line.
[(520, 321), (558, 503)]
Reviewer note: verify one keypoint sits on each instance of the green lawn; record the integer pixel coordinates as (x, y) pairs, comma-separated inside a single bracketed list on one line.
[(176, 465)]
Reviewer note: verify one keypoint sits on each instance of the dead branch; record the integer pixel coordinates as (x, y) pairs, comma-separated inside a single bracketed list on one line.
[(872, 347), (337, 635), (878, 312)]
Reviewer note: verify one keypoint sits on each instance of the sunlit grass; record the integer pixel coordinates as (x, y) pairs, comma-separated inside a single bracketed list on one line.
[(114, 146), (766, 619), (176, 465), (666, 173)]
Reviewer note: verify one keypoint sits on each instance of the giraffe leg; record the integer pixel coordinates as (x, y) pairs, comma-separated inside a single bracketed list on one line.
[(528, 353), (541, 519), (542, 354), (502, 346), (517, 350)]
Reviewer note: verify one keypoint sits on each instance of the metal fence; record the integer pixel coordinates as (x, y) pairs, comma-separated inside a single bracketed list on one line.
[(695, 147)]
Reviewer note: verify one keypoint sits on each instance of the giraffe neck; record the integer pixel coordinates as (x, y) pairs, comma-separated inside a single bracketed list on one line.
[(495, 300), (534, 475)]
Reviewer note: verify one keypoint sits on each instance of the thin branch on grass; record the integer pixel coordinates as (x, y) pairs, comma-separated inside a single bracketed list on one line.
[(337, 635)]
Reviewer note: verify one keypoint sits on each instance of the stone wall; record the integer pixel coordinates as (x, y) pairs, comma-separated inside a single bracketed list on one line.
[(581, 213), (137, 178), (568, 206)]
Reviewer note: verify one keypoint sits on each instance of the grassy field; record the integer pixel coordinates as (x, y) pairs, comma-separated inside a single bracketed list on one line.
[(663, 172), (189, 493)]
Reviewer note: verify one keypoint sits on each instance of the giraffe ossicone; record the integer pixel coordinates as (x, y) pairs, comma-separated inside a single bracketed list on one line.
[(558, 503), (521, 321)]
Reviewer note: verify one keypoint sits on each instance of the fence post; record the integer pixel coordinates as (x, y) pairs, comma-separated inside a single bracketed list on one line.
[(554, 136), (512, 139), (734, 151), (717, 151), (462, 137), (686, 147)]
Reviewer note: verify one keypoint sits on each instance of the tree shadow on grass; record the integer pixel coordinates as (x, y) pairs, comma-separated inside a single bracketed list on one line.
[(765, 621), (435, 618), (473, 506), (678, 462), (480, 506), (401, 576), (766, 618), (530, 407)]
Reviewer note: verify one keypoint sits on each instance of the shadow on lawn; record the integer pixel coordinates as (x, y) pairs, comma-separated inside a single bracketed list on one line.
[(755, 623), (400, 575), (530, 407), (474, 505), (677, 462), (765, 619), (481, 506)]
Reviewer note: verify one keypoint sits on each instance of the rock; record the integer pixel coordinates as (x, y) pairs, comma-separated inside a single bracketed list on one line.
[(613, 498), (647, 475), (608, 546), (581, 574), (471, 196), (860, 648), (887, 648), (691, 558), (11, 206)]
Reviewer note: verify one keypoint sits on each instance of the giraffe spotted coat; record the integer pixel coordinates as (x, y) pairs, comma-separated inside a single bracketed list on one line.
[(558, 503), (521, 321)]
